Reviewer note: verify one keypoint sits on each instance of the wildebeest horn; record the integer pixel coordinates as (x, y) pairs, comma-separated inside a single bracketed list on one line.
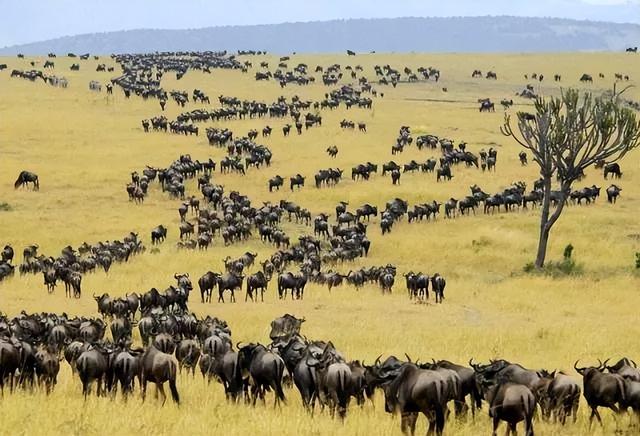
[(575, 366), (408, 358), (475, 366), (634, 363), (604, 365), (377, 361), (239, 345), (600, 364), (175, 276)]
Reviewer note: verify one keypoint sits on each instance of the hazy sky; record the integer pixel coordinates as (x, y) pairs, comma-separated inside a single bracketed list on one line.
[(24, 21)]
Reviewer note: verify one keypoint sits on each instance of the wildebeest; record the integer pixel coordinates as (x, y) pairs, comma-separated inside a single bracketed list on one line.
[(91, 366), (230, 282), (158, 367), (613, 169), (558, 395), (7, 253), (187, 354), (586, 78), (296, 180), (26, 177), (613, 192), (285, 326), (158, 234), (255, 282), (275, 182), (512, 403), (601, 389), (409, 390), (265, 370)]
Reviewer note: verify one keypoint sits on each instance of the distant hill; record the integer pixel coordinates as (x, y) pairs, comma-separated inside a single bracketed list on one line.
[(456, 34)]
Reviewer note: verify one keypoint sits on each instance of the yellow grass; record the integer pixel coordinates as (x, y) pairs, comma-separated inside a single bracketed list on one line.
[(84, 145)]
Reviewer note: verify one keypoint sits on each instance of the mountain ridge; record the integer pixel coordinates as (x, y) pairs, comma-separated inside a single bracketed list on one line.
[(409, 34)]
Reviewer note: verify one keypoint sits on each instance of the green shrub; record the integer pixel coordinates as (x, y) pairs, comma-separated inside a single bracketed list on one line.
[(5, 207), (566, 267), (638, 260)]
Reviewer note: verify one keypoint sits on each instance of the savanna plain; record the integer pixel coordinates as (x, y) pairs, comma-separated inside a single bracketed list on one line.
[(84, 145)]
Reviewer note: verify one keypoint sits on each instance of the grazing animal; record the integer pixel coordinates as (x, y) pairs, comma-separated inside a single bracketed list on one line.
[(26, 177)]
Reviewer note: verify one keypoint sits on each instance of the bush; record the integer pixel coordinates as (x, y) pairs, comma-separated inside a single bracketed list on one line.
[(5, 207), (566, 267), (638, 260)]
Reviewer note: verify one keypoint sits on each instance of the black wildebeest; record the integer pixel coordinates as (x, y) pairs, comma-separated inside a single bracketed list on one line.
[(512, 403), (7, 253), (158, 234), (285, 326), (558, 395), (586, 78), (256, 282), (409, 390), (229, 282), (625, 368), (601, 389), (265, 369), (438, 283), (332, 151), (9, 363), (47, 368), (613, 192), (613, 169), (296, 180), (158, 367), (206, 283), (395, 177), (523, 158), (275, 182), (187, 354), (26, 177), (125, 367), (92, 365)]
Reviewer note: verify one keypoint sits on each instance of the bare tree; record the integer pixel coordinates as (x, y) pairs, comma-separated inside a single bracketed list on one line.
[(567, 135)]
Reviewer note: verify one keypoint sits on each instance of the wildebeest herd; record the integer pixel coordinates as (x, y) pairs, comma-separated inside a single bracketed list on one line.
[(101, 350), (175, 340)]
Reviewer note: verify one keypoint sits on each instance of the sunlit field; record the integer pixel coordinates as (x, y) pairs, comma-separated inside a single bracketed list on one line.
[(84, 145)]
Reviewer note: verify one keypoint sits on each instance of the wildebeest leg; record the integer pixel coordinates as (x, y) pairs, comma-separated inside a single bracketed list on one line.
[(496, 423), (594, 412), (408, 423), (255, 389), (160, 388)]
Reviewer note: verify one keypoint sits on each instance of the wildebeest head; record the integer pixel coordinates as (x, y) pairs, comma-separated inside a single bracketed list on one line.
[(284, 326), (184, 281)]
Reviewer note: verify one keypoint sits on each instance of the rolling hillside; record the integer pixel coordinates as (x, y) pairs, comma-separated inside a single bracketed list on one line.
[(457, 34)]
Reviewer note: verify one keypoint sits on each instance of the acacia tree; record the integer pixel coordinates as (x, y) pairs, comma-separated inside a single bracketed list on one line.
[(567, 135)]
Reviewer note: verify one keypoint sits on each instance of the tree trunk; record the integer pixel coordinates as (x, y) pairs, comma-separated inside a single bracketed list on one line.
[(546, 222), (544, 219)]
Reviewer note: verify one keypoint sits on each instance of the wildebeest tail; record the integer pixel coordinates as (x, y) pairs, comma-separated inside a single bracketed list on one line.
[(279, 371), (343, 393), (174, 390), (528, 405)]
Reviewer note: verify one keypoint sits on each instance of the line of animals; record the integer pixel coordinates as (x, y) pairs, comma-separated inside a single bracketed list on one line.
[(31, 347), (71, 264)]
